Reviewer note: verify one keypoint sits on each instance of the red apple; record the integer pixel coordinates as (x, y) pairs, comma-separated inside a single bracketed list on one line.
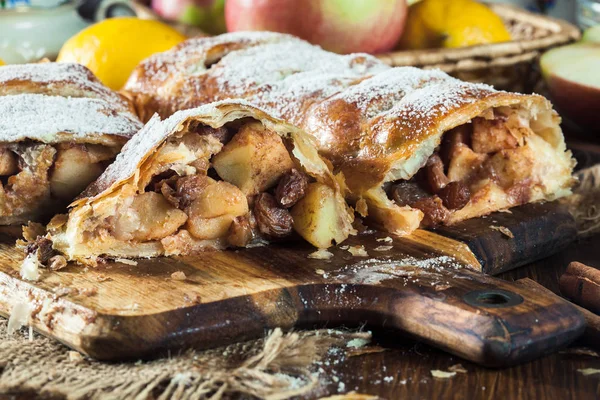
[(343, 26), (573, 79)]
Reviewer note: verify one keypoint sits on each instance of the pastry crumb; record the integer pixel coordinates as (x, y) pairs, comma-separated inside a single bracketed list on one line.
[(362, 208), (178, 276), (436, 373), (103, 278), (504, 230), (62, 291), (383, 248), (88, 292), (358, 251), (319, 271), (193, 299), (126, 261), (457, 368), (75, 357), (506, 210), (321, 254), (57, 262), (589, 371), (30, 268), (386, 239)]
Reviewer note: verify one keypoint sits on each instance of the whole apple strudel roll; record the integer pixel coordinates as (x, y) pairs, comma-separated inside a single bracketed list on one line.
[(417, 148), (59, 128), (221, 175)]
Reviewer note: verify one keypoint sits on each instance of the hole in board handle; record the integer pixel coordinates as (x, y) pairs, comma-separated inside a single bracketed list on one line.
[(492, 298)]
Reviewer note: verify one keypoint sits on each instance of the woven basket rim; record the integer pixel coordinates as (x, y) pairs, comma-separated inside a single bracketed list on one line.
[(560, 32)]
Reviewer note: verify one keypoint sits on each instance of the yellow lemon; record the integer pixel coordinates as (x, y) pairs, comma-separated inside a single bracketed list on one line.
[(2, 62), (112, 48), (451, 23)]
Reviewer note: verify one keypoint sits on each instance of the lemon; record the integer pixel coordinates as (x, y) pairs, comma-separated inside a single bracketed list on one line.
[(112, 48), (2, 62), (451, 23)]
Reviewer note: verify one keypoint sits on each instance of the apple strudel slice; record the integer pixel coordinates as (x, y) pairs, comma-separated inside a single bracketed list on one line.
[(417, 148), (221, 175), (59, 128)]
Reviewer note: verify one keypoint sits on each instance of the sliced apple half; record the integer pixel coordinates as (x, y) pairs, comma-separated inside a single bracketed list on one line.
[(592, 35), (572, 74)]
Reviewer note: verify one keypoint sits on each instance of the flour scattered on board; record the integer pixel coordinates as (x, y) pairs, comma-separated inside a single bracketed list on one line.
[(373, 271)]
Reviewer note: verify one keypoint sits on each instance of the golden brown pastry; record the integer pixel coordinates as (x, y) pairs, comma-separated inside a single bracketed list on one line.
[(220, 175), (416, 147), (59, 128)]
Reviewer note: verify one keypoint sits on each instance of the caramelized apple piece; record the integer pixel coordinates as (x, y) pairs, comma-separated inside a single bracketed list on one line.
[(75, 167), (149, 217), (8, 162), (214, 209), (491, 136), (253, 160), (509, 167), (464, 163), (316, 218)]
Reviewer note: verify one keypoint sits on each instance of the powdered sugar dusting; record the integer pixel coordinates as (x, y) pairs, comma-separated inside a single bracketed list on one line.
[(41, 117), (192, 55), (374, 271), (278, 75), (56, 75)]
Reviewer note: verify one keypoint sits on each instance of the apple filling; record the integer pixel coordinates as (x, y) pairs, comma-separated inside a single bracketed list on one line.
[(206, 187), (493, 162), (37, 179)]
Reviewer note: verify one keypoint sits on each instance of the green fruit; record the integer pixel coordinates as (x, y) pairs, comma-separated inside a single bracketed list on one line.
[(210, 19), (592, 34)]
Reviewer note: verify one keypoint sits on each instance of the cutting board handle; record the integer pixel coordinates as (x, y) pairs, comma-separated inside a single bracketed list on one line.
[(487, 321), (482, 319)]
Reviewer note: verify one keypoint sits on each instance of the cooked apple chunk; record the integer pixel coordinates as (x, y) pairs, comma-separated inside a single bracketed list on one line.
[(75, 167), (149, 216), (315, 216), (213, 211), (253, 160), (8, 162)]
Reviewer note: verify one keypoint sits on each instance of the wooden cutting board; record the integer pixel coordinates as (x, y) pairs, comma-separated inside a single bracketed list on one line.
[(121, 311)]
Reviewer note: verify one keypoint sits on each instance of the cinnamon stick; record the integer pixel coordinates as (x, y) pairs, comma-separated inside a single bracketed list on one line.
[(591, 335), (581, 284)]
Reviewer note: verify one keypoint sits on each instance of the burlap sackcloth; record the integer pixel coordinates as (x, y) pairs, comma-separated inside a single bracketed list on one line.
[(278, 366), (584, 204)]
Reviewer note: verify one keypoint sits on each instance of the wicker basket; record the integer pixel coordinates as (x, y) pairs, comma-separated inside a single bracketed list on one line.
[(510, 65)]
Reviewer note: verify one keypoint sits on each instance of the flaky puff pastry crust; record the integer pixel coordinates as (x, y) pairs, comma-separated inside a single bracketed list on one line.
[(73, 235), (376, 124)]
